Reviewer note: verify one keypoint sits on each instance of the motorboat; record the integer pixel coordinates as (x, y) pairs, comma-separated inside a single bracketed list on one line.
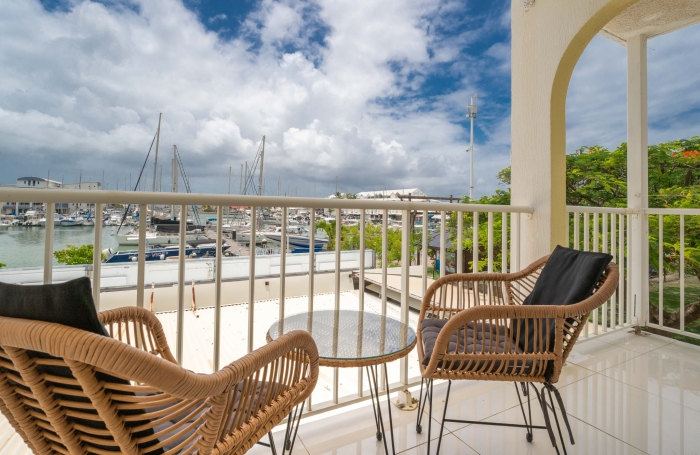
[(56, 220), (296, 238), (162, 253)]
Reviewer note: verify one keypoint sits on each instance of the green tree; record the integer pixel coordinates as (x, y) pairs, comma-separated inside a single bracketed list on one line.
[(74, 255), (2, 265)]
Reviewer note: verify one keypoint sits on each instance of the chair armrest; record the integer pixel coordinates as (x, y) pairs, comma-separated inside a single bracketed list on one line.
[(494, 321), (267, 384), (139, 328)]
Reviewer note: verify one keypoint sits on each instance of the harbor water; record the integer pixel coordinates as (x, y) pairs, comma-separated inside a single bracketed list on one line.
[(24, 246)]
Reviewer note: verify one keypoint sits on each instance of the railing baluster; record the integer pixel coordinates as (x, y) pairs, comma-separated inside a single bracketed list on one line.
[(586, 233), (217, 284), (385, 257), (515, 242), (577, 231), (504, 242), (97, 256), (251, 275), (629, 302), (613, 252), (312, 257), (180, 279), (443, 222), (475, 242), (405, 283), (424, 252), (338, 233), (48, 243), (682, 277), (361, 295), (661, 270), (141, 270), (604, 217), (460, 257), (490, 243), (312, 271), (595, 238), (283, 264), (621, 291)]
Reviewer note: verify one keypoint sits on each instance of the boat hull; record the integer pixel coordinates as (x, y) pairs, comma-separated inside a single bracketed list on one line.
[(297, 241), (133, 239)]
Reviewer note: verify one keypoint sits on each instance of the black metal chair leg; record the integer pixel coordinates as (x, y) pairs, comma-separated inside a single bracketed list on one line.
[(272, 443), (556, 419), (563, 412), (528, 425), (545, 414), (444, 413), (296, 427), (419, 428), (430, 409)]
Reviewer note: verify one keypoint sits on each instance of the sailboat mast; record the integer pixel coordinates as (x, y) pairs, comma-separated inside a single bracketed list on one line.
[(174, 187), (155, 164), (262, 157)]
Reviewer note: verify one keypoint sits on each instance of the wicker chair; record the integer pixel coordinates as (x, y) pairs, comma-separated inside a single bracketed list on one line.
[(478, 313), (69, 391)]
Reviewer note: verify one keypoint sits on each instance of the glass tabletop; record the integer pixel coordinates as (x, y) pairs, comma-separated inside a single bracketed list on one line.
[(349, 335)]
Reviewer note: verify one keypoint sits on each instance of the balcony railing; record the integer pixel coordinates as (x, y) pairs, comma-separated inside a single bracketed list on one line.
[(486, 252)]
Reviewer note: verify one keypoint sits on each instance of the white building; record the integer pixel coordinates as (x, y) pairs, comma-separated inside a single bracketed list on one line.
[(29, 183), (387, 195)]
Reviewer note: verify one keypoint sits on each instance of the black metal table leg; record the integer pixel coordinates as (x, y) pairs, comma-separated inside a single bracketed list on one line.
[(376, 395)]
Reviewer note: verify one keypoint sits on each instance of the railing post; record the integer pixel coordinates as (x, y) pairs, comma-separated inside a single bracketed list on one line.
[(251, 275), (141, 258), (424, 252), (405, 282), (181, 283), (217, 288), (48, 243), (97, 256)]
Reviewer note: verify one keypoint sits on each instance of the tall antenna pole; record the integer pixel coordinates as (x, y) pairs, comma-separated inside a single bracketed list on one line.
[(229, 179), (245, 185), (155, 163), (471, 115), (240, 191), (262, 157)]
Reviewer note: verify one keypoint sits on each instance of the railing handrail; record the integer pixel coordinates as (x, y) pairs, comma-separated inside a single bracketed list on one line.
[(590, 209), (144, 197)]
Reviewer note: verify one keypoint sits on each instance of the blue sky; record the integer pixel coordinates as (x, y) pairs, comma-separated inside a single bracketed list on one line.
[(371, 92)]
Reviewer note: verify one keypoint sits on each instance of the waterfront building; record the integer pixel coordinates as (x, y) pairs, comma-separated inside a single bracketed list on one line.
[(29, 183)]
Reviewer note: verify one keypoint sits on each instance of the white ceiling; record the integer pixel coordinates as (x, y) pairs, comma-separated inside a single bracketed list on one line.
[(652, 18)]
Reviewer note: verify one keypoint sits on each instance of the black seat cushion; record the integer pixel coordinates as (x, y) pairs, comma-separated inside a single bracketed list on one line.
[(69, 304), (480, 338), (569, 276)]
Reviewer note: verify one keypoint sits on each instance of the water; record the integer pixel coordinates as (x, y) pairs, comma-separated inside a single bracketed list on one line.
[(24, 246)]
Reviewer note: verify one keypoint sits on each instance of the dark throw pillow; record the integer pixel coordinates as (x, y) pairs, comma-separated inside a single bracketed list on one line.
[(68, 303), (568, 277)]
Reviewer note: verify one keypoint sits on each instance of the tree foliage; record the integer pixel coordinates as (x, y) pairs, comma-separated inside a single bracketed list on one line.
[(2, 265), (74, 255)]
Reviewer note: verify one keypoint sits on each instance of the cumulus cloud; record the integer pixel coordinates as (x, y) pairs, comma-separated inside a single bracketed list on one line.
[(329, 83)]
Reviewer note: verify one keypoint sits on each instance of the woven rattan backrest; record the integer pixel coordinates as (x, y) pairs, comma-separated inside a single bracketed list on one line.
[(66, 391)]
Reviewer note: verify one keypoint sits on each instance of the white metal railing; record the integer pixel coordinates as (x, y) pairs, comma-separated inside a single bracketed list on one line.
[(508, 215), (604, 229), (673, 258)]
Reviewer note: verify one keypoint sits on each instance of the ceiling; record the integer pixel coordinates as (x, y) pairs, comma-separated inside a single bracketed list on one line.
[(652, 18)]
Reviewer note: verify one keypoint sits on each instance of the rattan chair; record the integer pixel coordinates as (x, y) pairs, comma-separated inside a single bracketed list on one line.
[(478, 314), (69, 391)]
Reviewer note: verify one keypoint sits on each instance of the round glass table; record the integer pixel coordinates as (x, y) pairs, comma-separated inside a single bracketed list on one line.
[(347, 338)]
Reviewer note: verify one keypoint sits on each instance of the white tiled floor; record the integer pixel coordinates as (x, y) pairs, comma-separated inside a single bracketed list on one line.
[(625, 394)]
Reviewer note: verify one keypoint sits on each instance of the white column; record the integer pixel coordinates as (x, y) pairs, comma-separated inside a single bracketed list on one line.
[(638, 176)]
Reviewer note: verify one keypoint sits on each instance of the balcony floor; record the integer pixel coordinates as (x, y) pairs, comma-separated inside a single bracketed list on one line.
[(625, 394)]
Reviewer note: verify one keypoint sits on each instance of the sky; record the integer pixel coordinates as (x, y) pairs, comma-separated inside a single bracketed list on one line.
[(367, 94)]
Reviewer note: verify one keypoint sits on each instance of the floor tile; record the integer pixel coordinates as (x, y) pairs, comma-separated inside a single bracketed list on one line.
[(637, 343), (572, 372), (450, 446), (683, 353), (675, 378), (598, 356), (648, 422), (354, 431), (472, 400), (503, 440)]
